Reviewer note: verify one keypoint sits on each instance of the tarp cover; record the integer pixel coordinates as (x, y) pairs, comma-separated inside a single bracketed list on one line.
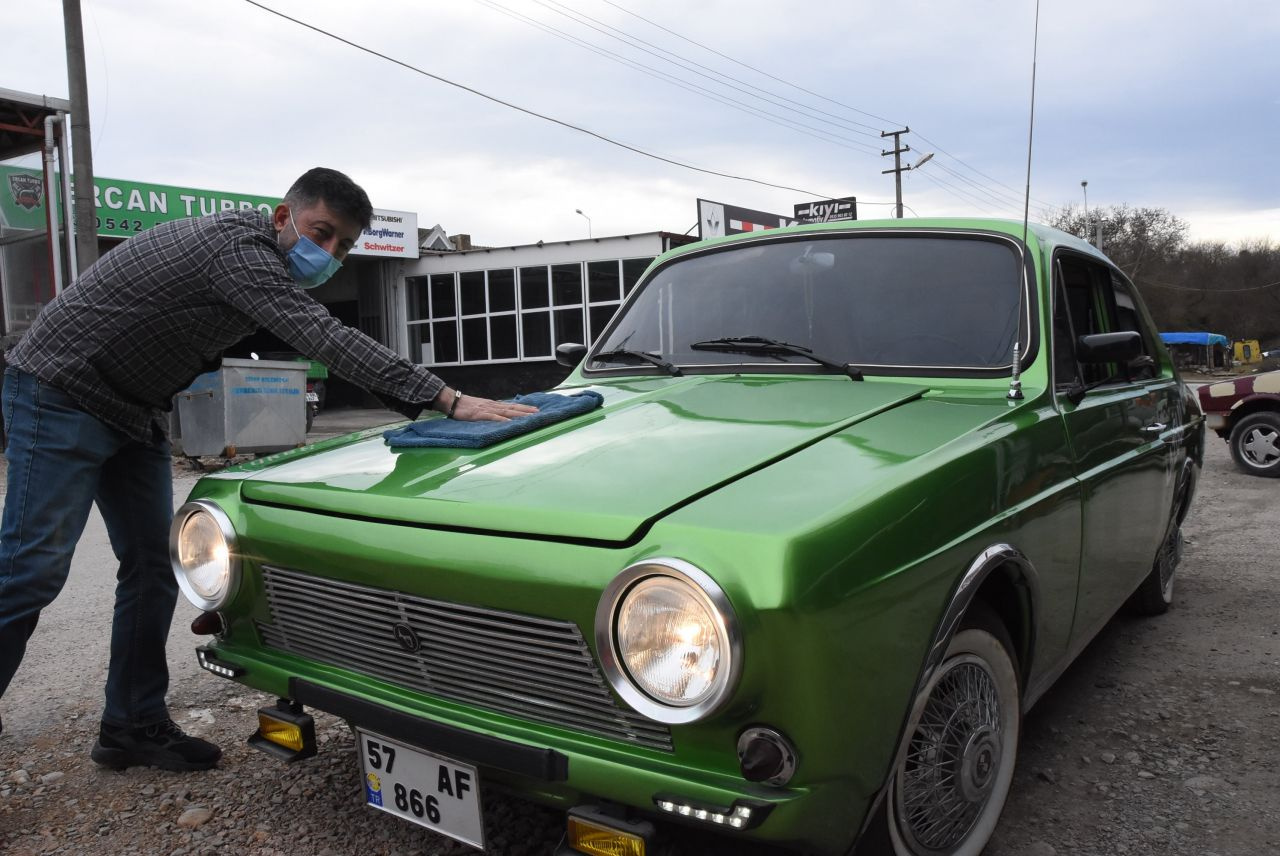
[(1194, 339)]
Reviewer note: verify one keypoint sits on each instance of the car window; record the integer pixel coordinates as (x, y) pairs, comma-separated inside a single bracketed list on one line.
[(1066, 371), (1098, 300), (871, 300), (1129, 318)]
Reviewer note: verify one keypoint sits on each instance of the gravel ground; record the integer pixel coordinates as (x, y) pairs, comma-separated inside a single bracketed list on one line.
[(1161, 739)]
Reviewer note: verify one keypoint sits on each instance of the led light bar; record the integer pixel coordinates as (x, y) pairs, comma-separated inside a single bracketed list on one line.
[(210, 663), (743, 814)]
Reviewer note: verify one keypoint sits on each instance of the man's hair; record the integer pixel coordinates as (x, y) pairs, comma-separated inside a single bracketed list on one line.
[(335, 190)]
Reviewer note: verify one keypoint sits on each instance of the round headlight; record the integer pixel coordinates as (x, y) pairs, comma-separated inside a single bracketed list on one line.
[(201, 548), (668, 640)]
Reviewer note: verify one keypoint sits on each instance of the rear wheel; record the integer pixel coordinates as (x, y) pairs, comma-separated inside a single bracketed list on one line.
[(1255, 444), (950, 784), (1155, 595)]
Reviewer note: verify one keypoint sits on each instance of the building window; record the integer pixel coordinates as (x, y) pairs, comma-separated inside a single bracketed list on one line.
[(508, 314)]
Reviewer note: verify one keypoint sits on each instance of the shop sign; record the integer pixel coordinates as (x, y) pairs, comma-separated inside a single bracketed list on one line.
[(125, 208), (716, 219), (391, 234), (828, 210)]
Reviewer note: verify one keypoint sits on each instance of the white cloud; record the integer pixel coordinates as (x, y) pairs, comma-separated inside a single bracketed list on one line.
[(1152, 107)]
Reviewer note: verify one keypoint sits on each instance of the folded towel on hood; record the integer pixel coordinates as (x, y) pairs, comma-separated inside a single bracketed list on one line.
[(552, 408)]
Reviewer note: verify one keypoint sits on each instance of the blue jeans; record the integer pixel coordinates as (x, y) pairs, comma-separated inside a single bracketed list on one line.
[(62, 460)]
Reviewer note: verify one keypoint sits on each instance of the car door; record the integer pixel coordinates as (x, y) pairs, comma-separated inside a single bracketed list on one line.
[(1122, 424)]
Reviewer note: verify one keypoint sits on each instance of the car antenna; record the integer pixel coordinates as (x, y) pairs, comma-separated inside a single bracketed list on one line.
[(1015, 379)]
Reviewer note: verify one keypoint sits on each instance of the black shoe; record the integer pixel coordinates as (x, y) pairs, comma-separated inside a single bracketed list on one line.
[(162, 745)]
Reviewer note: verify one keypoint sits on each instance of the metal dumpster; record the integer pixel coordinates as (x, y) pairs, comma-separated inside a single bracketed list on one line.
[(245, 406)]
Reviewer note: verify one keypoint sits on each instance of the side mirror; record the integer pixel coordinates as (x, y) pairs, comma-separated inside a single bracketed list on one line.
[(570, 354), (1109, 347)]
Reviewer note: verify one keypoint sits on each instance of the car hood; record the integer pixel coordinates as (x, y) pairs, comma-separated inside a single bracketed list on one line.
[(652, 446)]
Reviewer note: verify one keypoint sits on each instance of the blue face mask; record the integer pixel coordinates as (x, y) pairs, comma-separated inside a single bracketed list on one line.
[(309, 263)]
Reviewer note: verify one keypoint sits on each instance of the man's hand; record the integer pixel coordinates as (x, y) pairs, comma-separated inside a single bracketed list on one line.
[(473, 409)]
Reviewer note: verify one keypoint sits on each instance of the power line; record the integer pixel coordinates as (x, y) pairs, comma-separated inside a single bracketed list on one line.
[(773, 118), (533, 113), (753, 68), (963, 163), (958, 193), (818, 95), (1001, 199), (1158, 284), (753, 91)]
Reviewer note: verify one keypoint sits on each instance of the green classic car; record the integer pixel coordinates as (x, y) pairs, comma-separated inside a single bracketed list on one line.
[(855, 496)]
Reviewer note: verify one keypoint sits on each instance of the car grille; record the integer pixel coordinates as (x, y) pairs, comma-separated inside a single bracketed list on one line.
[(534, 668)]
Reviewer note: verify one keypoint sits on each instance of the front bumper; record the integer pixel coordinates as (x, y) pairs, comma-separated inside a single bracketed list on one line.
[(566, 772)]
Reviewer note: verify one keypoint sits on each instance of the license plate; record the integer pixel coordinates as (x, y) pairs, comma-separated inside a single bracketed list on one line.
[(313, 396), (420, 787)]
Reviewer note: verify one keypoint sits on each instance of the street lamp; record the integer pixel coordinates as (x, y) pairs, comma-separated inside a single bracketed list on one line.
[(1084, 185), (585, 217)]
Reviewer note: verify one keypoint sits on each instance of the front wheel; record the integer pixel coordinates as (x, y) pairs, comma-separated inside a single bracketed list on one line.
[(1255, 444), (950, 784)]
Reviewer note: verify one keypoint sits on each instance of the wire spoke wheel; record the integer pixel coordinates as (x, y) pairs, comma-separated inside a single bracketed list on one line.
[(952, 780), (1167, 561)]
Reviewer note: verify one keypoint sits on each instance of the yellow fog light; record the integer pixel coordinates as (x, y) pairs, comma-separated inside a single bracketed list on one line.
[(285, 734), (592, 832), (285, 731), (588, 837)]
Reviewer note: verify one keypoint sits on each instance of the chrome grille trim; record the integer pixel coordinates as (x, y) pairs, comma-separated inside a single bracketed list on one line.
[(534, 668)]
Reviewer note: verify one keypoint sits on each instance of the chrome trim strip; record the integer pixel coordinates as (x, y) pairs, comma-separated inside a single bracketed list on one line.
[(606, 641), (180, 518)]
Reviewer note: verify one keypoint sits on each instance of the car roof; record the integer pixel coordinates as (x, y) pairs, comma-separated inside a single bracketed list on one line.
[(1047, 237)]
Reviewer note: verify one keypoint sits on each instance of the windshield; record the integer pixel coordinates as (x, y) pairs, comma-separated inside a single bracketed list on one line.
[(871, 300)]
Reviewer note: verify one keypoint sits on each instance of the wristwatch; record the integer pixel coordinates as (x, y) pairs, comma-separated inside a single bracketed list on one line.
[(453, 405)]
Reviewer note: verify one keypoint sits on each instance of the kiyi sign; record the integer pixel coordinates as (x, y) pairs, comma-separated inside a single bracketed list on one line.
[(828, 210)]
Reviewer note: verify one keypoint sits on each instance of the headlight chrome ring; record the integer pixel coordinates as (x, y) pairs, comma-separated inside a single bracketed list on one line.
[(224, 582), (689, 581)]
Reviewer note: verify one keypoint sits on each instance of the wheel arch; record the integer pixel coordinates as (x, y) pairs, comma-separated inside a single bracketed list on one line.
[(1003, 580), (1258, 403)]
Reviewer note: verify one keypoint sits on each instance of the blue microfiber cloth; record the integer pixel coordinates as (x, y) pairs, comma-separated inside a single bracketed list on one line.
[(552, 408)]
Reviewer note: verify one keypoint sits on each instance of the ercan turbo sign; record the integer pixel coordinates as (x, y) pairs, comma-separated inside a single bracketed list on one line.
[(125, 208)]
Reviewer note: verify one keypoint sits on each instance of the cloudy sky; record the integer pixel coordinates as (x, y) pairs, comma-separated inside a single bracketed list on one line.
[(1169, 103)]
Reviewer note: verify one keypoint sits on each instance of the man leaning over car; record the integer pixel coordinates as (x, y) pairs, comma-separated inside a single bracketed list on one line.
[(85, 397)]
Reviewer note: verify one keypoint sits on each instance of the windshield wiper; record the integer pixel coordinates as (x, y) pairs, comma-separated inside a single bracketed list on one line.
[(612, 356), (764, 345)]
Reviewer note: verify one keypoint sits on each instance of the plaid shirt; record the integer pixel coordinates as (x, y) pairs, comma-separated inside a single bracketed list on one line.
[(148, 317)]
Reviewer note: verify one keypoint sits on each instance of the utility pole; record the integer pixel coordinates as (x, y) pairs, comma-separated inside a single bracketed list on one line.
[(1084, 185), (81, 150), (898, 168)]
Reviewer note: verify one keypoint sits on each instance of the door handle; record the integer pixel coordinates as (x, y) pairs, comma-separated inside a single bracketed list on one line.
[(1154, 428)]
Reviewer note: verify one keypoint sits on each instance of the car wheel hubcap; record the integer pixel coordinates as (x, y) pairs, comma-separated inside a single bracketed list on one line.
[(978, 765), (953, 760), (1261, 447)]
